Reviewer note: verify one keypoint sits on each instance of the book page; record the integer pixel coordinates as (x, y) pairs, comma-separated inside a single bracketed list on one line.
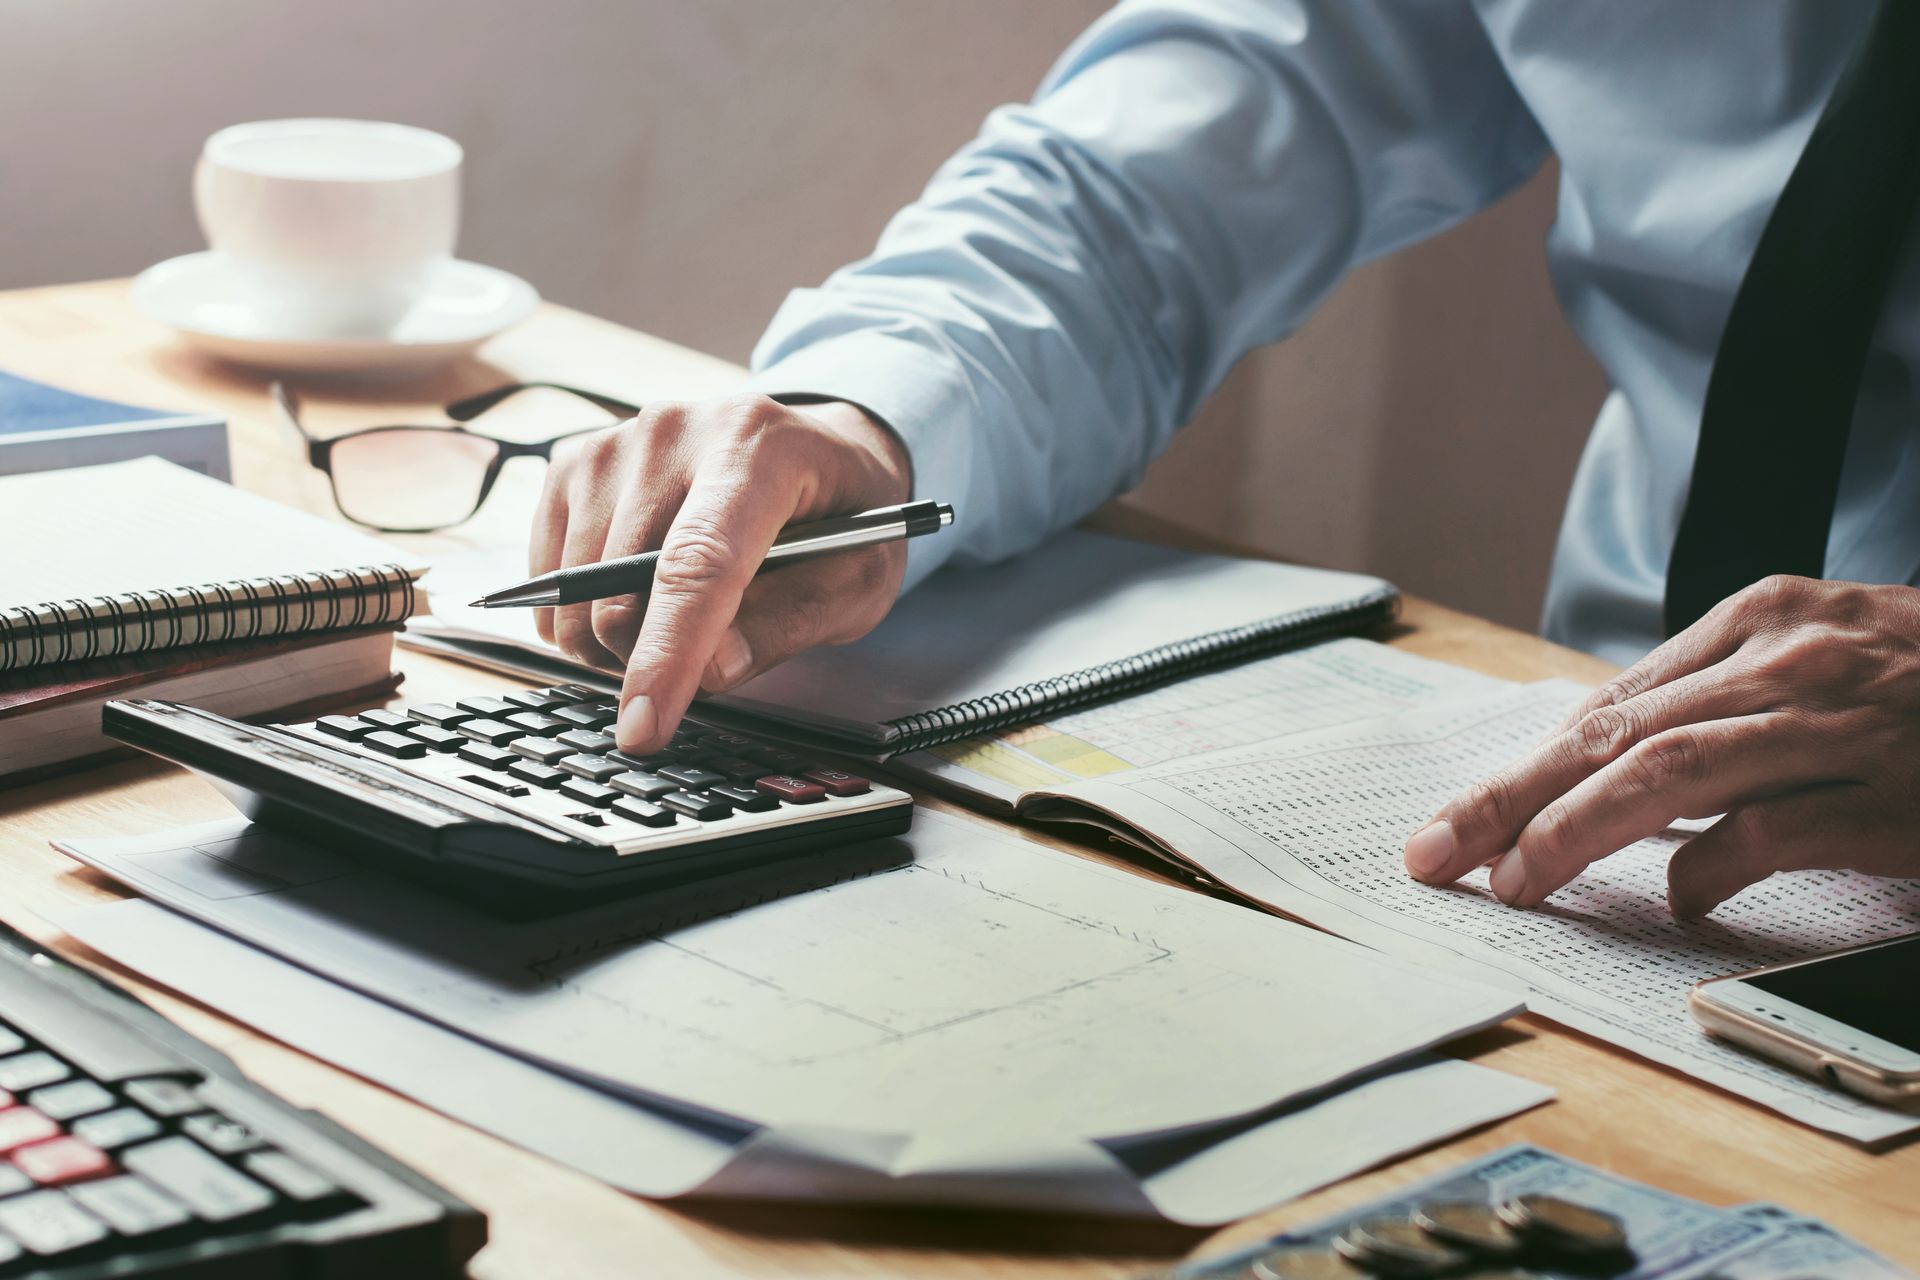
[(1314, 824)]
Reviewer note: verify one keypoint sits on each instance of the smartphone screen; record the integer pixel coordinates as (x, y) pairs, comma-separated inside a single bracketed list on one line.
[(1873, 991)]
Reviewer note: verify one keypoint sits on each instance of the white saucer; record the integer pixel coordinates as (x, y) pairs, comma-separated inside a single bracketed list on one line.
[(465, 305)]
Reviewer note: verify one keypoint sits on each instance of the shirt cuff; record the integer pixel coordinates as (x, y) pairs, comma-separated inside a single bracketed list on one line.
[(915, 393)]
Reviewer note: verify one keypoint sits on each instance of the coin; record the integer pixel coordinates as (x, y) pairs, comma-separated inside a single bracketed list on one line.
[(1468, 1224), (1565, 1225), (1300, 1263), (1395, 1247)]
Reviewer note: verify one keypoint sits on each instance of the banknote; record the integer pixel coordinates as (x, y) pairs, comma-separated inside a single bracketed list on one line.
[(1797, 1247)]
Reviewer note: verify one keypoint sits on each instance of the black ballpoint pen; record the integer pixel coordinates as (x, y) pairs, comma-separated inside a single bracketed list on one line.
[(633, 575)]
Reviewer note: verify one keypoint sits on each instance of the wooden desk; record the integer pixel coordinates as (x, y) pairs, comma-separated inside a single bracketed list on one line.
[(1613, 1110)]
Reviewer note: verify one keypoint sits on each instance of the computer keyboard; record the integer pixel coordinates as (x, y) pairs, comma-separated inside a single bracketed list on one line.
[(522, 801), (130, 1148)]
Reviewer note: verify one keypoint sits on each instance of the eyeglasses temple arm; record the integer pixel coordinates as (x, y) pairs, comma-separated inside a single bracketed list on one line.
[(473, 406)]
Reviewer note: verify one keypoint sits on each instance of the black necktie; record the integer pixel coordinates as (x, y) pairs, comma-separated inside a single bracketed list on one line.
[(1773, 431)]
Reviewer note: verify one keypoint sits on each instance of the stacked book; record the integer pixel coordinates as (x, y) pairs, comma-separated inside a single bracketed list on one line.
[(145, 576)]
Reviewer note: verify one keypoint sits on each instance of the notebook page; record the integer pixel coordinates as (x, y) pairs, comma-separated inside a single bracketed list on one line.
[(148, 525), (1314, 824)]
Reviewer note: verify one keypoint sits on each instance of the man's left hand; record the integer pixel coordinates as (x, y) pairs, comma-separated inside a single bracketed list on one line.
[(1793, 708)]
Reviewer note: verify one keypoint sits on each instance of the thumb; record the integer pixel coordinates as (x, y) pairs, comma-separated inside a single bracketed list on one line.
[(788, 610), (1807, 829)]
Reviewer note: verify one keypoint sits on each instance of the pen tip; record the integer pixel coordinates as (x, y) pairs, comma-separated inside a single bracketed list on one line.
[(481, 603)]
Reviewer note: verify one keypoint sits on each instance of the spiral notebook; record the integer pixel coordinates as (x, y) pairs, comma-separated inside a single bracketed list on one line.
[(142, 556), (1083, 618)]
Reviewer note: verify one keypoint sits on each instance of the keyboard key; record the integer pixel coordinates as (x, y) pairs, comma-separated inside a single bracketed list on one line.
[(638, 782), (538, 722), (691, 778), (74, 1098), (400, 746), (62, 1160), (791, 789), (291, 1178), (162, 1096), (197, 1178), (537, 699), (220, 1134), (589, 741), (491, 757), (387, 720), (540, 775), (587, 715), (437, 738), (115, 1129), (505, 786), (545, 750), (589, 792), (130, 1205), (352, 728), (495, 733), (439, 713), (487, 707), (49, 1222), (839, 782), (705, 808), (598, 768), (647, 815), (24, 1071), (21, 1125), (748, 798)]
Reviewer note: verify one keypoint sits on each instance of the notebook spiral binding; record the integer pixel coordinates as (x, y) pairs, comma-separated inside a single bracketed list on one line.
[(77, 630), (1141, 671)]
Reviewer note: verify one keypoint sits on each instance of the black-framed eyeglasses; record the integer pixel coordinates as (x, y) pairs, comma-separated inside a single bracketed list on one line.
[(403, 478)]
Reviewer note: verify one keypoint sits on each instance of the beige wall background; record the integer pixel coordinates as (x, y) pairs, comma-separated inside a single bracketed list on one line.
[(679, 164)]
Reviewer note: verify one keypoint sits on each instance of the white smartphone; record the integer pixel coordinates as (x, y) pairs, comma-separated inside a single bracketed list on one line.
[(1851, 1018)]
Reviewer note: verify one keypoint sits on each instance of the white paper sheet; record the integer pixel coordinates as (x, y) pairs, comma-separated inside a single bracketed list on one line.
[(992, 995), (1210, 1178), (1314, 824)]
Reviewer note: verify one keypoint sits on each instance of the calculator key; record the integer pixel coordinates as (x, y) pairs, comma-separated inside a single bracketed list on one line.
[(290, 1177), (638, 782), (74, 1098), (540, 775), (163, 1097), (25, 1071), (437, 738), (839, 782), (728, 743), (220, 1134), (439, 713), (748, 798), (495, 733), (536, 699), (647, 815), (589, 741), (597, 768), (577, 692), (537, 722), (491, 757), (687, 753), (21, 1125), (505, 786), (694, 805), (735, 768), (352, 728), (12, 1181), (386, 719), (398, 745), (589, 792), (645, 764), (785, 762), (49, 1222), (132, 1206), (690, 777), (10, 1041), (62, 1160), (545, 750), (586, 715), (791, 789), (487, 707), (197, 1178), (113, 1129)]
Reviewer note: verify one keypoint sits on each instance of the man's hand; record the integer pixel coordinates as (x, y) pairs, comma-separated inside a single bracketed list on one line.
[(1793, 708), (711, 484)]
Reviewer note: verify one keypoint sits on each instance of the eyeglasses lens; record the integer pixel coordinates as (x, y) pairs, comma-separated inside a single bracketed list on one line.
[(410, 478)]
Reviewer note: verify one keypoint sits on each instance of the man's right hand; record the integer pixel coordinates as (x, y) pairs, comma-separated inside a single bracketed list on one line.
[(712, 484)]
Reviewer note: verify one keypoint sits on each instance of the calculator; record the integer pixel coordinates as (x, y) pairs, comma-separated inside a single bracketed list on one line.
[(521, 802)]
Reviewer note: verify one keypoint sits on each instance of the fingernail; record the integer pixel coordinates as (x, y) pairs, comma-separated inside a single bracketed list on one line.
[(635, 728), (1431, 848), (1509, 878), (732, 659)]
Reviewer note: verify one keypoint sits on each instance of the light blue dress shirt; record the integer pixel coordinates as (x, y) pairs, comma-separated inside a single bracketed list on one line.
[(1193, 177)]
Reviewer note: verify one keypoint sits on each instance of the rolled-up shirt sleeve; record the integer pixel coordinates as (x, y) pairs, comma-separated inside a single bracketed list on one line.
[(1189, 181)]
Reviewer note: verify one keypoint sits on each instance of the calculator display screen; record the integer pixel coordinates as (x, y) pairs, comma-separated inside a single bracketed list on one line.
[(1872, 990)]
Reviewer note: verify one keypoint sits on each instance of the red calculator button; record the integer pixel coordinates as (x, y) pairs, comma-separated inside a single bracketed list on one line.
[(21, 1125), (789, 788), (838, 782), (62, 1160)]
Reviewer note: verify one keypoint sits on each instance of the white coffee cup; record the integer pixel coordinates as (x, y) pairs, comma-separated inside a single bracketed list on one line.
[(333, 227)]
